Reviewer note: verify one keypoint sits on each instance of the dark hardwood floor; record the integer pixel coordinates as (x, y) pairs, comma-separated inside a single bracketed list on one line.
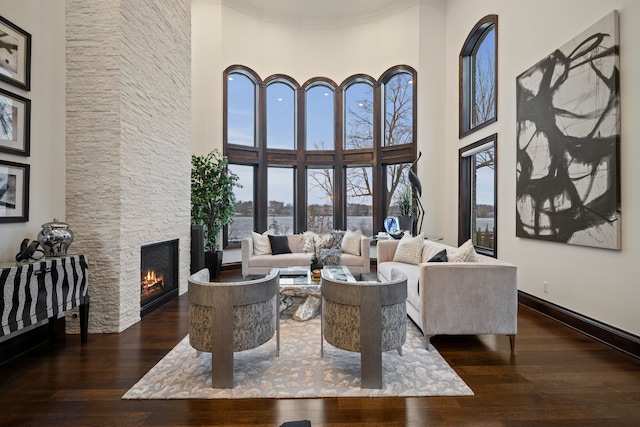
[(556, 377)]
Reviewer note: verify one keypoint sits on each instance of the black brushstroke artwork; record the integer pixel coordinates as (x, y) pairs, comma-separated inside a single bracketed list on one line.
[(568, 130)]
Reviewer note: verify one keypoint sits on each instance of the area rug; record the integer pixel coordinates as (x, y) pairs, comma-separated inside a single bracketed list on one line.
[(300, 371)]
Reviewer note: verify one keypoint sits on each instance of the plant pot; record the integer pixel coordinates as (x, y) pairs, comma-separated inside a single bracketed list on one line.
[(213, 261), (197, 248), (405, 223), (317, 266)]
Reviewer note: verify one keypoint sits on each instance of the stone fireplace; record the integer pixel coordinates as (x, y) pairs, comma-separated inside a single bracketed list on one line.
[(159, 273), (128, 146)]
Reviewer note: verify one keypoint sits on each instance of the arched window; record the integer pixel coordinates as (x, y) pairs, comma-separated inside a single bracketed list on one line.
[(320, 161), (358, 115), (281, 115), (479, 76), (241, 108), (398, 109), (319, 118)]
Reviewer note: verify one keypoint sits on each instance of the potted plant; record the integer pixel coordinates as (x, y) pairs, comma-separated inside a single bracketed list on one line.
[(405, 206), (213, 203)]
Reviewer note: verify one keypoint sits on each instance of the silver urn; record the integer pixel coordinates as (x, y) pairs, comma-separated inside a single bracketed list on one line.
[(55, 237)]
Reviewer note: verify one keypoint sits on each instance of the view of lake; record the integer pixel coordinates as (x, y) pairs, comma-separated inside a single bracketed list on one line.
[(242, 226)]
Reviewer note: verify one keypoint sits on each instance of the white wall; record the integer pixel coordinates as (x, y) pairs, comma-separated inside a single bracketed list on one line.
[(602, 284), (45, 21)]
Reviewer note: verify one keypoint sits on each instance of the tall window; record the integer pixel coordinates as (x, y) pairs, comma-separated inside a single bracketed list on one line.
[(397, 186), (358, 112), (320, 191), (242, 224), (280, 197), (360, 199), (281, 127), (319, 118), (398, 110), (322, 150), (478, 196), (478, 76), (241, 109)]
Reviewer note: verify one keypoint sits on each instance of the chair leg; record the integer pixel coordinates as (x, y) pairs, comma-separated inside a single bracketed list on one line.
[(399, 349), (322, 327), (512, 342)]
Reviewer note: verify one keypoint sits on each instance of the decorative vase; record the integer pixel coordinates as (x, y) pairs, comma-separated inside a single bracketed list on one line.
[(405, 223), (316, 266), (55, 237)]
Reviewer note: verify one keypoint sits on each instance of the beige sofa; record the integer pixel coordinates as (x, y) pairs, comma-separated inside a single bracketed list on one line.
[(261, 264), (457, 298)]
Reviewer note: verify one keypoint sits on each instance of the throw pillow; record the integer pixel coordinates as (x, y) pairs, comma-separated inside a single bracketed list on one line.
[(351, 242), (308, 239), (465, 253), (429, 250), (261, 244), (330, 256), (439, 257), (279, 245), (409, 250)]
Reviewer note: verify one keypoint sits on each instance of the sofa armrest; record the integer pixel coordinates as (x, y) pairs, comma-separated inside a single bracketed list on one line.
[(246, 245), (468, 298), (386, 250)]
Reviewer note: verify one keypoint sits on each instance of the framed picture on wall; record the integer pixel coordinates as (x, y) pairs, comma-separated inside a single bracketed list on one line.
[(15, 55), (15, 123), (14, 192)]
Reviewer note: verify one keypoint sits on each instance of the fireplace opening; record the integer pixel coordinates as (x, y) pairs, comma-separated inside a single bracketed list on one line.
[(158, 275)]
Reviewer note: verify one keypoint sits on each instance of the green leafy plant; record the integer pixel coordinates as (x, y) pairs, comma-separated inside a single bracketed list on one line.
[(405, 202), (213, 203)]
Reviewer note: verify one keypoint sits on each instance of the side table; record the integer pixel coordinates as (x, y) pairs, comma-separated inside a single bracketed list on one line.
[(39, 290)]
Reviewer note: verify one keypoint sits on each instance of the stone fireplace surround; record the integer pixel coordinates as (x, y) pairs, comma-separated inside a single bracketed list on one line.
[(128, 153)]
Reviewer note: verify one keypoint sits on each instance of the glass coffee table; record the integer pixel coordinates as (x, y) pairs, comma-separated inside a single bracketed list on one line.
[(300, 292)]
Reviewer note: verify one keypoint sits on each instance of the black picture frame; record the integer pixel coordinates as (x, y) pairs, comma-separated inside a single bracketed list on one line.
[(15, 55), (15, 123), (14, 192)]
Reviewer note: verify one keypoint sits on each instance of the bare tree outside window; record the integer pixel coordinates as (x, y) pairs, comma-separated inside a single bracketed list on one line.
[(484, 78)]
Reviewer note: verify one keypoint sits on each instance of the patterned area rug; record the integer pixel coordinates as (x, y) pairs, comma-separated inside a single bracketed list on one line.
[(300, 371)]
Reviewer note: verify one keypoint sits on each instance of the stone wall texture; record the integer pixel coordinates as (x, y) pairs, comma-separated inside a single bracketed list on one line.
[(128, 144)]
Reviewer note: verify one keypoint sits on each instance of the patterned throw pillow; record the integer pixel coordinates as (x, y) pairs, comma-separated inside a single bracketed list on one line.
[(465, 253), (351, 242), (330, 250), (409, 250), (261, 244)]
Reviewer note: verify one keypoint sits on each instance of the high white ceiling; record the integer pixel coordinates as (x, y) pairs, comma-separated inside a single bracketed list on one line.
[(320, 13)]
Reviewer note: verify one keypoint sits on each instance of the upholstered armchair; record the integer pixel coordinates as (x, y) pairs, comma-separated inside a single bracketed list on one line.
[(365, 317), (228, 317)]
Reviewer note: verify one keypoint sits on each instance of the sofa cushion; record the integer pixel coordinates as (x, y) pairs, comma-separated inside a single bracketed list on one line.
[(261, 244), (279, 245), (439, 257), (409, 250), (282, 260), (465, 253), (351, 242)]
